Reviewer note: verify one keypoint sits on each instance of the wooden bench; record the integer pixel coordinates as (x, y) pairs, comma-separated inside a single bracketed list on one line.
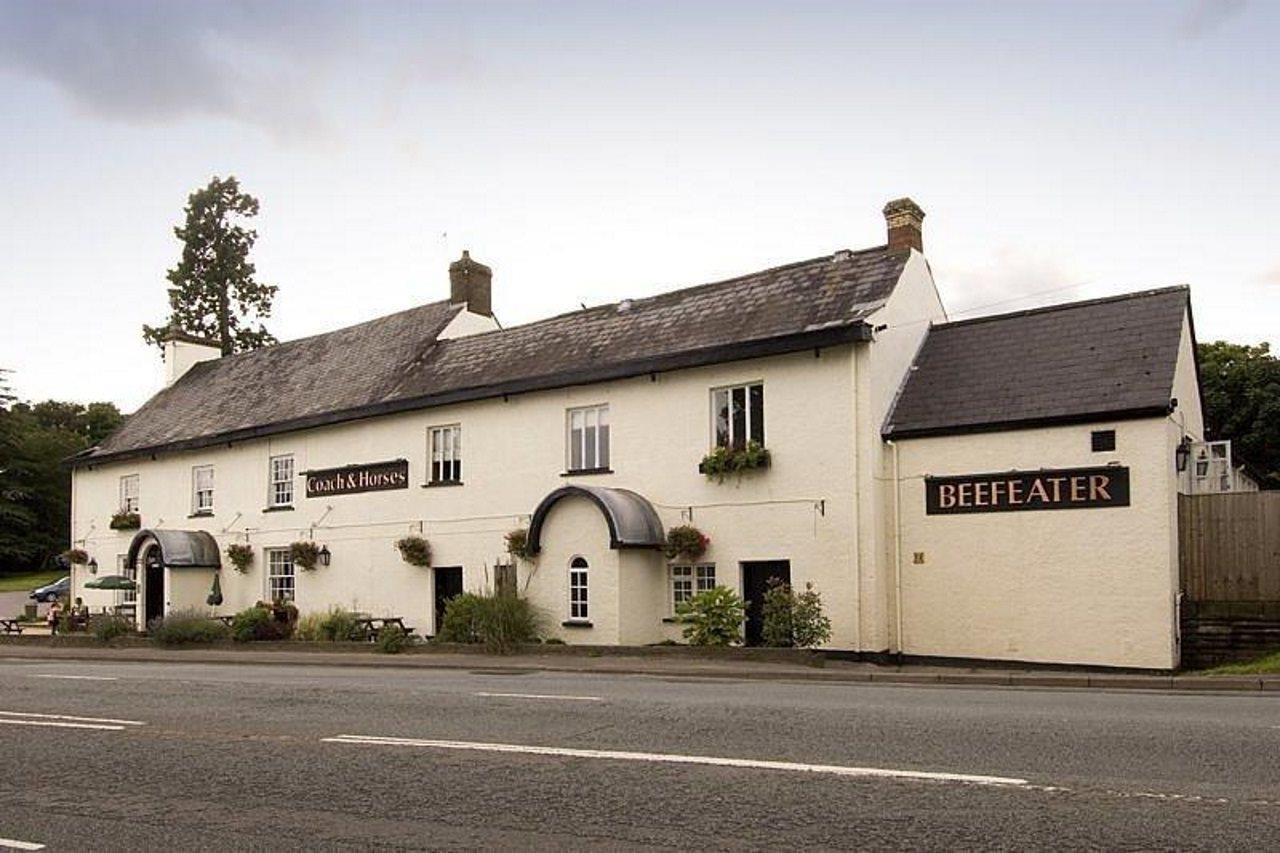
[(371, 626), (11, 626)]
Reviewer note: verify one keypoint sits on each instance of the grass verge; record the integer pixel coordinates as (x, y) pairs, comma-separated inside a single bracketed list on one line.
[(27, 581), (1269, 665)]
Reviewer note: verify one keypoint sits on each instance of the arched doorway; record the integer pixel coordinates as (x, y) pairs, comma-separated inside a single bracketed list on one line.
[(153, 592)]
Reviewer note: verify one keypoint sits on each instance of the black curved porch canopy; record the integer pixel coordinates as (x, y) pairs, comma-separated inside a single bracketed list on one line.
[(179, 549), (632, 520)]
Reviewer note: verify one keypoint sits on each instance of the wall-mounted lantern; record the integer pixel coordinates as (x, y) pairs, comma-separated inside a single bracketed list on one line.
[(93, 566), (1183, 453), (325, 556)]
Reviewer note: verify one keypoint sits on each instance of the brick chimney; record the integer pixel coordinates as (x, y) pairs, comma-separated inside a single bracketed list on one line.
[(904, 218), (471, 282)]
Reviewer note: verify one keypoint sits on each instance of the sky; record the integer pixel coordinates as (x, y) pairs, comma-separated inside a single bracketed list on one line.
[(591, 152)]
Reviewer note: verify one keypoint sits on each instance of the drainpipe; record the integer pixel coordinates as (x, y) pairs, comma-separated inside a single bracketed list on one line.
[(897, 548)]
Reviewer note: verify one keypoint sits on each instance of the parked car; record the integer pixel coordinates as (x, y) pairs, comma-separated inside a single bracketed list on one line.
[(49, 592)]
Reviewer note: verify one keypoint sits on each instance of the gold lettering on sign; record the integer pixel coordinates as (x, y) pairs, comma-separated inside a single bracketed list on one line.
[(1038, 492), (1015, 492), (979, 494), (946, 496), (1077, 488), (1098, 484), (966, 494)]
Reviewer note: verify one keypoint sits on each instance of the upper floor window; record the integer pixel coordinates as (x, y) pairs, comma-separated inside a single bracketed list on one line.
[(578, 588), (588, 438), (738, 415), (281, 493), (446, 454), (129, 493), (202, 489)]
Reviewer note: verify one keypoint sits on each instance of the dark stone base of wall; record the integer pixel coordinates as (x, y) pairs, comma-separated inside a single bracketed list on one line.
[(1218, 632)]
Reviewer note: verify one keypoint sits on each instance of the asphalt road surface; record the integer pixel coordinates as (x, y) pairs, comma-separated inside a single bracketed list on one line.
[(103, 756)]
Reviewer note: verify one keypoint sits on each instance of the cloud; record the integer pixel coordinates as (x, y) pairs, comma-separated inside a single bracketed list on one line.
[(1008, 280), (155, 61), (1206, 16)]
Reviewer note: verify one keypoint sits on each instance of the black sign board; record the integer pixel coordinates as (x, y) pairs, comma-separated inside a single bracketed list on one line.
[(1018, 491), (374, 477)]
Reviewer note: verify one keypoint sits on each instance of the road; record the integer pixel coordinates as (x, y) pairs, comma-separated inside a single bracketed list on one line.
[(206, 756)]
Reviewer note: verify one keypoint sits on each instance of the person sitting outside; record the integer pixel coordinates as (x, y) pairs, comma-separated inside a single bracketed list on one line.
[(79, 616)]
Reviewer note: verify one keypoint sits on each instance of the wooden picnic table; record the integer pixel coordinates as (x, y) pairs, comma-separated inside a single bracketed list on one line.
[(371, 626), (11, 626)]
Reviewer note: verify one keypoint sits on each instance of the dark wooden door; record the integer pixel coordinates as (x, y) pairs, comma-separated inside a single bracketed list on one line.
[(153, 585), (755, 582), (448, 585)]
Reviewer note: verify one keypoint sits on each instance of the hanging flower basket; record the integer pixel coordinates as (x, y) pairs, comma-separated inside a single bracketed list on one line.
[(241, 557), (687, 543), (76, 556), (415, 551), (305, 555), (518, 544), (125, 520), (734, 460)]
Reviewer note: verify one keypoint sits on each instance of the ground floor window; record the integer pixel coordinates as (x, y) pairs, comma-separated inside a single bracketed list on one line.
[(578, 589), (688, 581), (280, 574), (130, 596)]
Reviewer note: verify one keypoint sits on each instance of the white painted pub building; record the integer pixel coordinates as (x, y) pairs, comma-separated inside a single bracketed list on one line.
[(994, 488)]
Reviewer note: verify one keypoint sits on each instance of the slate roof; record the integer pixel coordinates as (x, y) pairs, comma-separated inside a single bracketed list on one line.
[(1103, 359), (395, 363)]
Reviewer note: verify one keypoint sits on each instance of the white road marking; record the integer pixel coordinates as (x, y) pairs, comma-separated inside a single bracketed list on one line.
[(78, 677), (72, 719), (540, 696), (54, 724), (670, 758), (11, 844)]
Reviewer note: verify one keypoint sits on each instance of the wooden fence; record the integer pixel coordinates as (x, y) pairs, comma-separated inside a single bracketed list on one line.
[(1229, 546)]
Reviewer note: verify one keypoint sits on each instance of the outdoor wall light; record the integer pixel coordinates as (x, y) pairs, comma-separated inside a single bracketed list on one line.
[(93, 566), (1183, 453), (324, 555)]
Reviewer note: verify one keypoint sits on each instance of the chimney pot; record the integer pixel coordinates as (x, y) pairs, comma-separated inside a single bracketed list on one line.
[(471, 282), (904, 219)]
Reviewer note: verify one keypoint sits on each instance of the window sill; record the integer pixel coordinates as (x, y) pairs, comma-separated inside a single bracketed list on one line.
[(279, 509), (440, 484), (576, 623), (587, 472), (202, 514)]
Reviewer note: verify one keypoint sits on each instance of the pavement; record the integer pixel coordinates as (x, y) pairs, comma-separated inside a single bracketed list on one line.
[(127, 755)]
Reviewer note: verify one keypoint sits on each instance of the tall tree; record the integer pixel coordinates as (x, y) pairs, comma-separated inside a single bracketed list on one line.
[(214, 294), (1241, 385)]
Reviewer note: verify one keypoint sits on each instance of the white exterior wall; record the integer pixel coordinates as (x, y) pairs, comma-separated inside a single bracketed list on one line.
[(800, 509)]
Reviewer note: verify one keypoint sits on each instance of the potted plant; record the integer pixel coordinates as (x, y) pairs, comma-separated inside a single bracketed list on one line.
[(305, 555), (734, 460), (415, 551), (518, 544), (686, 542), (241, 557), (126, 520)]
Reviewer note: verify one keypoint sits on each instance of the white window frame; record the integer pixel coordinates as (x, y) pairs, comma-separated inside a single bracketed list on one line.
[(444, 449), (197, 507), (734, 440), (699, 577), (130, 595), (279, 560), (280, 480), (579, 582), (594, 441), (130, 487)]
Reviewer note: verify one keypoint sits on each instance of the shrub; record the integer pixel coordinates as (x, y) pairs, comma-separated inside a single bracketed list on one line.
[(106, 628), (76, 556), (186, 627), (265, 622), (305, 555), (792, 619), (734, 460), (308, 628), (713, 617), (392, 640), (553, 641), (518, 544), (687, 542), (241, 557), (415, 551), (339, 626), (125, 520), (501, 622)]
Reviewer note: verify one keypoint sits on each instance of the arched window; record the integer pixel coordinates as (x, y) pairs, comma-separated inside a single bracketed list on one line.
[(578, 588)]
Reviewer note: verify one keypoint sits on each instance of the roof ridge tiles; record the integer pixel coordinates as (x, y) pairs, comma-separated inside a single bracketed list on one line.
[(1065, 306)]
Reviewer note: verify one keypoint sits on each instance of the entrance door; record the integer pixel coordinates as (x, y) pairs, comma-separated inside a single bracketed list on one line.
[(153, 585), (755, 582), (448, 585)]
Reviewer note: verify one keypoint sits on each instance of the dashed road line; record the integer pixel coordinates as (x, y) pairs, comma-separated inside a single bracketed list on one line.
[(69, 718), (54, 724), (539, 696), (674, 758), (77, 677), (14, 844)]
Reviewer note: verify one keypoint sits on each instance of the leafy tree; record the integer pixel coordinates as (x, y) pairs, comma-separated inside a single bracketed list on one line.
[(1241, 385), (214, 294)]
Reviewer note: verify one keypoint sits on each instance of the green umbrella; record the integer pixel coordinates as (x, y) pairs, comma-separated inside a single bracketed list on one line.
[(215, 594), (112, 582)]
